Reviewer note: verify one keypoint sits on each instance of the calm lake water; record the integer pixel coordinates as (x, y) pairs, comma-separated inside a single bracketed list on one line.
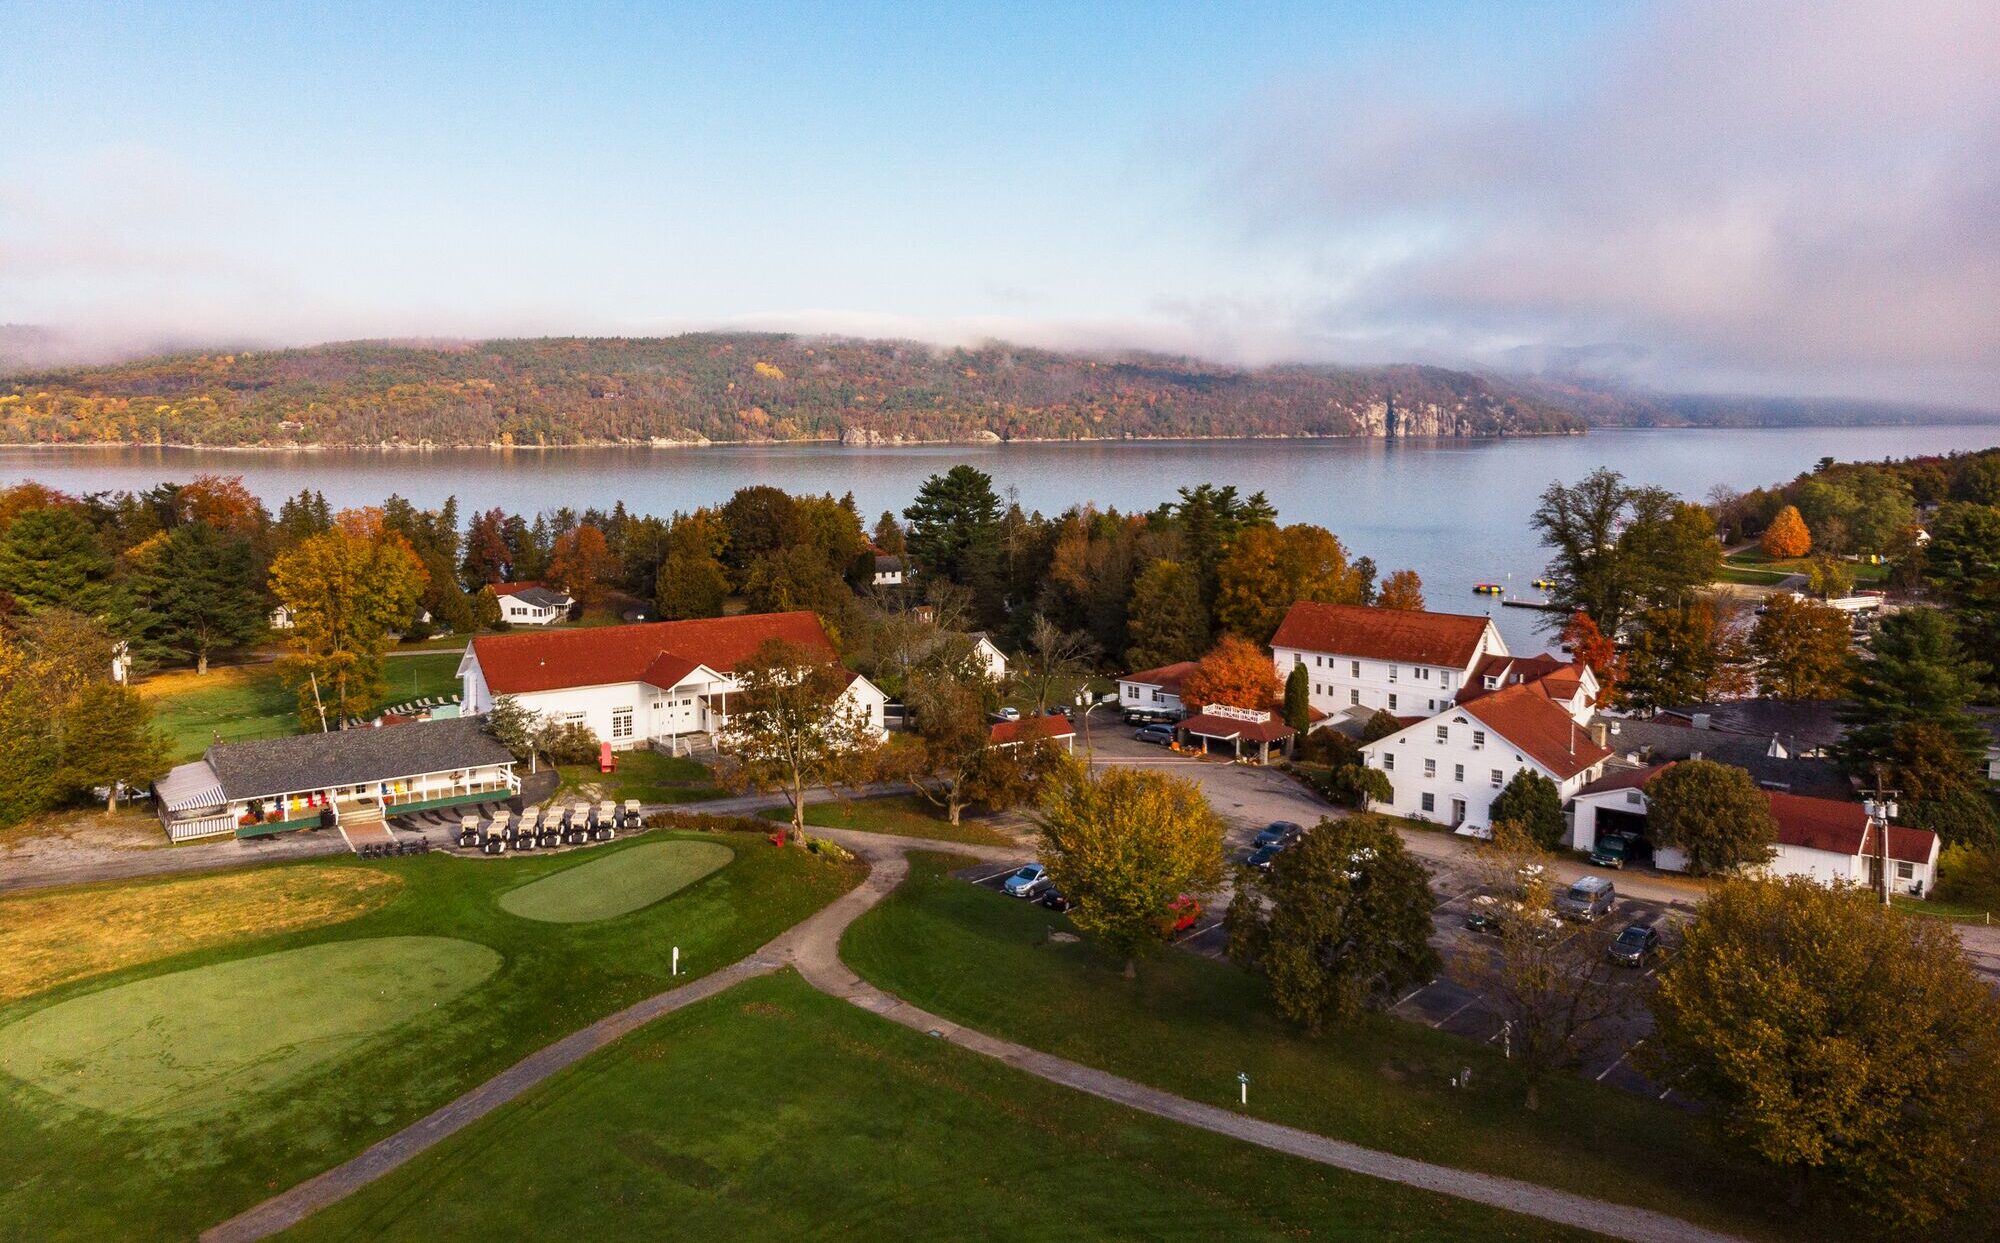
[(1456, 511)]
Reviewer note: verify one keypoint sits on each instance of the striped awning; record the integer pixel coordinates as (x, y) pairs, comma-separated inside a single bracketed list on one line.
[(190, 787)]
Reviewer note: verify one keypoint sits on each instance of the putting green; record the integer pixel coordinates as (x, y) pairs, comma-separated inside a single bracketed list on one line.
[(196, 1042), (617, 883)]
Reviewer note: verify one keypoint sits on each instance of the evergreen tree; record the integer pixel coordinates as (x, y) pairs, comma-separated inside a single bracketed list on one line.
[(955, 534), (108, 741), (690, 584), (1166, 622), (53, 557), (1298, 699), (199, 592), (1915, 671), (1533, 804)]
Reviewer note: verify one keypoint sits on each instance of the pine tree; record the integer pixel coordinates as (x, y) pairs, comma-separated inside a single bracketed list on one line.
[(199, 593)]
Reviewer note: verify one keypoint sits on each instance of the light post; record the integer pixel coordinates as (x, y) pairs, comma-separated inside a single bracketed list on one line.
[(1243, 1087), (1089, 703)]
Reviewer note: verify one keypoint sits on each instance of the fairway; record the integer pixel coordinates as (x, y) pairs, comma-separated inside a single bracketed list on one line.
[(195, 1042), (616, 884)]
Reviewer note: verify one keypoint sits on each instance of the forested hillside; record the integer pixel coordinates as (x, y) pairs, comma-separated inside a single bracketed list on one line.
[(709, 387)]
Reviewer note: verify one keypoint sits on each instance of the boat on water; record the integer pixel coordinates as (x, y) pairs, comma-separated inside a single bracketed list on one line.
[(1544, 584), (1487, 589)]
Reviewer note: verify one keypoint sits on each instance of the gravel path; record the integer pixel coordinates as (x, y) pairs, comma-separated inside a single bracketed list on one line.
[(813, 948)]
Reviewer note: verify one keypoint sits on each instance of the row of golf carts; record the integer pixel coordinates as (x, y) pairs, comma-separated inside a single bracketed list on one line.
[(575, 825)]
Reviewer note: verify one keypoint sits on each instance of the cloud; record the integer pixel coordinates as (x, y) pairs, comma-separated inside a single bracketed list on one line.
[(1797, 197)]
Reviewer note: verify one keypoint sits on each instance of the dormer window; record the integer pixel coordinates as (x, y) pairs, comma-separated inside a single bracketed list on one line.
[(1490, 682)]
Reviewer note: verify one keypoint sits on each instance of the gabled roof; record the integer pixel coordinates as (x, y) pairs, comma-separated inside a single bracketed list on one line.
[(1028, 729), (1555, 677), (1407, 635), (1205, 725), (348, 757), (1803, 724), (531, 591), (1532, 722), (516, 663), (884, 563), (1166, 677), (1625, 779), (1805, 823), (1662, 739)]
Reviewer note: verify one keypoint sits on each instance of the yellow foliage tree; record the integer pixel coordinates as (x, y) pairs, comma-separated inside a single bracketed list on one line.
[(346, 593), (1787, 536)]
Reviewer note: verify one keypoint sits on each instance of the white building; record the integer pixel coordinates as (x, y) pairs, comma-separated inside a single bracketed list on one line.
[(1404, 661), (531, 604), (992, 657), (888, 570), (657, 682), (1449, 767), (1824, 839), (1154, 692)]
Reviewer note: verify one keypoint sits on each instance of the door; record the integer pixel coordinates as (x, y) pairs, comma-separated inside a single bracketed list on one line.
[(1457, 812)]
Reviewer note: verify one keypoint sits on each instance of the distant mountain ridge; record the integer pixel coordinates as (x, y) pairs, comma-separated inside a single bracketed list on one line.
[(749, 387)]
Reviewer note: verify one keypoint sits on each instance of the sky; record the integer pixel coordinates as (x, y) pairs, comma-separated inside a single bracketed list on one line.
[(1795, 199)]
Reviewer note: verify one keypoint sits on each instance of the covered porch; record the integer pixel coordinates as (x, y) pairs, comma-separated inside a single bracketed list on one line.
[(1249, 734)]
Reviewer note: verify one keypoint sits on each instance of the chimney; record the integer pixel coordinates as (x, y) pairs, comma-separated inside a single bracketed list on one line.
[(1600, 733), (1700, 720)]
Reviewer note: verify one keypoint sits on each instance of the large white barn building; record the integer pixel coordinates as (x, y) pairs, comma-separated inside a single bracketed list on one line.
[(1402, 661)]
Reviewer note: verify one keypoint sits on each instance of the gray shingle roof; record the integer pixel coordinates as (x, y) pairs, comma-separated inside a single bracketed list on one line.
[(1662, 739), (542, 598), (352, 757)]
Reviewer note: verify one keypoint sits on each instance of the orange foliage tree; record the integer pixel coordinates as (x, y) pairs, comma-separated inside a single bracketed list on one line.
[(582, 563), (1236, 672), (1787, 536), (1595, 649), (1402, 590), (222, 502)]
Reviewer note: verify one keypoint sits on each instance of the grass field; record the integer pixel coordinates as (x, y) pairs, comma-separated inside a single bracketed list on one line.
[(616, 884), (774, 1112), (193, 1043), (431, 675), (86, 1173), (647, 776), (1753, 560), (233, 702), (904, 815), (1189, 1025), (47, 939)]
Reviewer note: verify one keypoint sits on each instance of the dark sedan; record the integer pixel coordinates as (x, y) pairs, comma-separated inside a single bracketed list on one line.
[(1635, 947)]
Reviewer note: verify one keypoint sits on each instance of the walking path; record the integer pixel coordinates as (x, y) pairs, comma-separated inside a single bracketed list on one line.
[(813, 948)]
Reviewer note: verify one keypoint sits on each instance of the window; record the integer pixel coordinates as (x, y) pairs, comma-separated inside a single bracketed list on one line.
[(1354, 668), (1392, 673), (1430, 802), (1354, 697), (1490, 682), (1298, 658), (1444, 678), (1635, 798), (1319, 662), (1388, 761), (1905, 871), (1478, 740), (1392, 703), (1444, 733), (1498, 779), (1430, 768), (1421, 673), (1131, 691), (621, 723), (1458, 772)]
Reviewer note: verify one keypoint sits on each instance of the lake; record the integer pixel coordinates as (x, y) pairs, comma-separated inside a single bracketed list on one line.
[(1455, 511)]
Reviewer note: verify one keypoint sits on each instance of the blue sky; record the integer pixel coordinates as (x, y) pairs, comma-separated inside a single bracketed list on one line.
[(1351, 182)]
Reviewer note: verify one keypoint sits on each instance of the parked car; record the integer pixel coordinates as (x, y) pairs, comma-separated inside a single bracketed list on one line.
[(1634, 947), (1615, 849), (1055, 900), (1007, 714), (1054, 710), (1182, 914), (1158, 735), (1261, 857), (1587, 901), (1279, 833), (1488, 918), (1029, 882)]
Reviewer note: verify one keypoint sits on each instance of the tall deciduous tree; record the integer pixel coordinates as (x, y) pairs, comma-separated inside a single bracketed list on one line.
[(1167, 622), (108, 741), (1236, 674), (1712, 813), (197, 589), (792, 727), (1839, 1041), (581, 563), (346, 592), (1401, 590), (1341, 921), (1124, 846), (1585, 642), (1787, 535), (1801, 649), (1617, 550), (1532, 804), (1053, 657), (1685, 654), (691, 584), (1268, 569)]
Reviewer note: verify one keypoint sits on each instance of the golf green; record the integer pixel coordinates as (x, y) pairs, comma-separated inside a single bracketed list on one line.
[(616, 884), (199, 1041)]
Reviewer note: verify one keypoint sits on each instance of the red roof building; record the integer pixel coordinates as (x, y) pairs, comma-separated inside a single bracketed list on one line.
[(1406, 636), (1031, 729)]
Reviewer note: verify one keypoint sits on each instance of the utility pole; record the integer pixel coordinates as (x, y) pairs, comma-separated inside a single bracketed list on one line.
[(1880, 805), (316, 701)]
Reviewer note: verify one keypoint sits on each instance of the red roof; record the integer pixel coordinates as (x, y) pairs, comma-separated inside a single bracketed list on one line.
[(1406, 635), (1557, 678), (1166, 677), (1545, 733), (517, 663), (1808, 823), (1625, 779), (515, 589), (1028, 729), (1207, 726)]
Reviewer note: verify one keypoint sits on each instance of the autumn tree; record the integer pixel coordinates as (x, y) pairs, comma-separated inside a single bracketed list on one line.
[(795, 577), (1533, 804), (1236, 673), (1712, 813), (691, 585), (1616, 550), (1268, 569), (346, 592), (1829, 579), (949, 697), (198, 593), (1124, 846), (1342, 921), (1801, 648), (1401, 590), (1053, 658), (486, 553), (1685, 654), (792, 726), (222, 502), (1552, 985), (1585, 642), (581, 564), (1839, 1042), (1787, 536), (108, 741), (1166, 621)]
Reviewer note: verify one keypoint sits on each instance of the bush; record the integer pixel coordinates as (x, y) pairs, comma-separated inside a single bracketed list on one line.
[(1969, 876), (417, 632), (1353, 785), (569, 742)]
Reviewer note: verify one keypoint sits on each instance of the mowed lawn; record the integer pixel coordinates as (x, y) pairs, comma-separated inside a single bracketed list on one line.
[(1189, 1025), (775, 1112), (645, 775), (902, 815), (433, 675), (241, 702), (156, 1100)]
